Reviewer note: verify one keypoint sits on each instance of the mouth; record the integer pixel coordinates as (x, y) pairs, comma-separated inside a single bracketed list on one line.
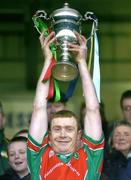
[(63, 142), (122, 144), (18, 163)]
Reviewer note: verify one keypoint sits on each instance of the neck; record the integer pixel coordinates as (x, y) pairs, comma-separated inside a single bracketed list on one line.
[(23, 173), (125, 153)]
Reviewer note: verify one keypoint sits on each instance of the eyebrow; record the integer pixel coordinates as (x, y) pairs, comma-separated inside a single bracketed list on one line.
[(63, 126)]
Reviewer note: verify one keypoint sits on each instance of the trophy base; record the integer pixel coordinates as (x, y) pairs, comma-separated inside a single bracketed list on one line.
[(64, 71)]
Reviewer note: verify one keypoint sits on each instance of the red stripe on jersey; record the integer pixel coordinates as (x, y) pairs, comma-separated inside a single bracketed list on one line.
[(93, 146), (32, 146), (101, 166), (45, 141)]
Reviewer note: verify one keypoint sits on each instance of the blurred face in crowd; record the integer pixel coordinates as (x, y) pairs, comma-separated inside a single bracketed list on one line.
[(17, 157), (64, 135), (53, 108), (126, 108), (122, 139)]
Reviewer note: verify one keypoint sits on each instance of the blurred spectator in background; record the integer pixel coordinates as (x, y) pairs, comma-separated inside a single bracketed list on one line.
[(3, 142), (125, 103), (17, 155), (22, 132), (117, 161), (53, 107)]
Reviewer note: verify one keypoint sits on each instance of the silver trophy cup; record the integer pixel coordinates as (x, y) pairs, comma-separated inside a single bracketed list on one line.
[(65, 22)]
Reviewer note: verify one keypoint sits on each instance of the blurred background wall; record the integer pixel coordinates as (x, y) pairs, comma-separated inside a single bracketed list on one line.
[(21, 59)]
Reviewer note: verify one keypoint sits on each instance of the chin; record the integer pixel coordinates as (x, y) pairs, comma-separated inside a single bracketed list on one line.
[(62, 152)]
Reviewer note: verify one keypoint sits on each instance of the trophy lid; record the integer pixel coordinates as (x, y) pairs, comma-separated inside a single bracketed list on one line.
[(66, 11)]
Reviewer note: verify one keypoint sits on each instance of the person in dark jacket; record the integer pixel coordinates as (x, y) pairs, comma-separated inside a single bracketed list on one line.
[(126, 172), (18, 169), (10, 174), (117, 163)]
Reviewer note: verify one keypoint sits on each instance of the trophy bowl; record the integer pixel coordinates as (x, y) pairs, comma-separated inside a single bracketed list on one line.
[(64, 71)]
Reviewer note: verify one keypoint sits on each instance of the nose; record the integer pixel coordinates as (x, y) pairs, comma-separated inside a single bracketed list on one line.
[(122, 137), (16, 155), (62, 132)]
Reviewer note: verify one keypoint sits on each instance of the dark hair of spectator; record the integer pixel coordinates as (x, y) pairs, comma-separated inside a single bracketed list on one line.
[(125, 94)]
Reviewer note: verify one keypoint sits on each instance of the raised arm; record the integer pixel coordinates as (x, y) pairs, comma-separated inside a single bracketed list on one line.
[(39, 120), (92, 121)]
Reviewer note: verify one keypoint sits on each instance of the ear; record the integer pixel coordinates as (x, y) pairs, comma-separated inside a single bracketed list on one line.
[(79, 142), (49, 136), (79, 134)]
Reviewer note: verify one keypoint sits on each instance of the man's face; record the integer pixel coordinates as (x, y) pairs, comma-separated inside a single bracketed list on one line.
[(126, 108), (17, 157), (64, 135), (122, 139)]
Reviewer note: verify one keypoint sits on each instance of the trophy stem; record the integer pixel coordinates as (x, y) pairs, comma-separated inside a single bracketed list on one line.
[(64, 70), (65, 56)]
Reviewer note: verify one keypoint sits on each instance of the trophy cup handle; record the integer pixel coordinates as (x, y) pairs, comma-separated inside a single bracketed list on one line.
[(91, 16), (41, 14), (38, 18)]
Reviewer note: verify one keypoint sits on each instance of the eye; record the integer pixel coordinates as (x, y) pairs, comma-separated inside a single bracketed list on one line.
[(69, 129), (22, 151), (116, 136), (126, 134), (127, 108), (11, 154), (56, 129)]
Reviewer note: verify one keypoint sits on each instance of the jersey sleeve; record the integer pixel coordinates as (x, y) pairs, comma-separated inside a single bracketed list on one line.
[(34, 154), (94, 150)]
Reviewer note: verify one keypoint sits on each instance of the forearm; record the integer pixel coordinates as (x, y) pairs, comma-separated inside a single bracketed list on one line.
[(42, 88), (91, 100), (92, 121), (39, 122)]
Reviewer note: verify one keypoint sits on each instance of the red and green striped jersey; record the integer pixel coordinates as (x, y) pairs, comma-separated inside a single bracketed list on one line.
[(85, 164)]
